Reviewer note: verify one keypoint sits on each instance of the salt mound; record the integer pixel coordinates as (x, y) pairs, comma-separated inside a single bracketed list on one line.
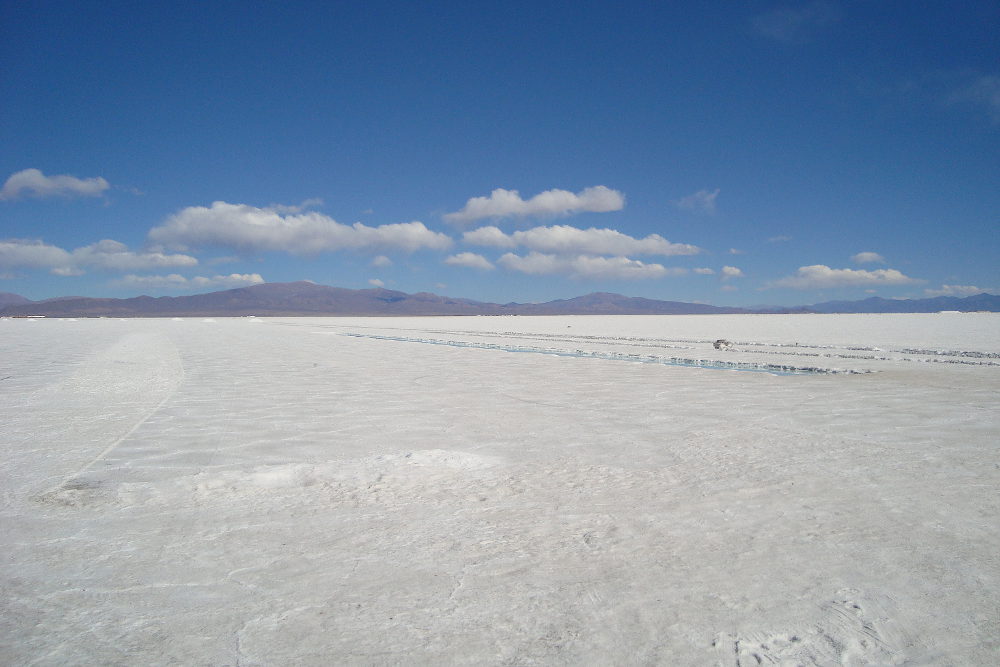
[(282, 476), (387, 472)]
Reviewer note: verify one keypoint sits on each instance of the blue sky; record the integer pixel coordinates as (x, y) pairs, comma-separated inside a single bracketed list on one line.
[(730, 153)]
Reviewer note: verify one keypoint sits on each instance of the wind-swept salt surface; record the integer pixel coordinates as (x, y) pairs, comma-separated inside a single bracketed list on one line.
[(564, 490)]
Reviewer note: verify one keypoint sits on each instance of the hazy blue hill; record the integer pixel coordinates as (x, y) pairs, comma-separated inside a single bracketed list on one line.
[(605, 303), (10, 299), (298, 298), (983, 301), (307, 298)]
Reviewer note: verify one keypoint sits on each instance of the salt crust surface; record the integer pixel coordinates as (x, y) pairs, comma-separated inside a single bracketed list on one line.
[(275, 492)]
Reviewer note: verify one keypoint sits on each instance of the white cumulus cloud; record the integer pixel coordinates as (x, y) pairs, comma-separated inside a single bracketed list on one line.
[(375, 282), (731, 272), (489, 236), (250, 228), (585, 266), (704, 271), (955, 290), (33, 183), (106, 255), (702, 201), (22, 253), (552, 203), (868, 258), (819, 276), (381, 261), (469, 259), (111, 255), (177, 281), (565, 239)]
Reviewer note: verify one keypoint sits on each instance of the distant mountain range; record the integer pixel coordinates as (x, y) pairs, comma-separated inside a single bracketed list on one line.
[(969, 304), (8, 299), (306, 298)]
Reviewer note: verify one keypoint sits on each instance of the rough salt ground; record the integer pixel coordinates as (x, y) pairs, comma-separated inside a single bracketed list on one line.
[(248, 492)]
